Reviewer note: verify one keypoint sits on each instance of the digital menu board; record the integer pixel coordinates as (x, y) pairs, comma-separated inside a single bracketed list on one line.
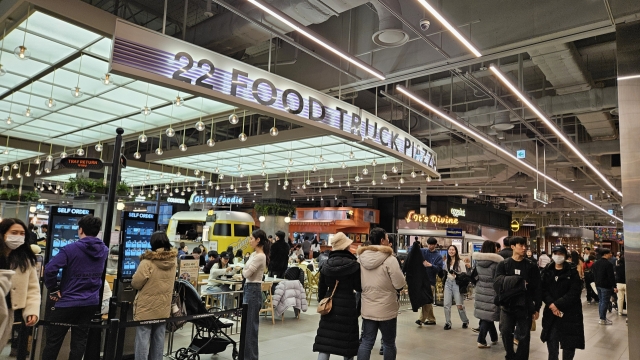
[(63, 228), (136, 231)]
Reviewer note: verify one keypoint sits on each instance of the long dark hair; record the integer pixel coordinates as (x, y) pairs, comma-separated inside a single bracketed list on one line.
[(23, 256), (576, 258), (160, 240), (220, 265), (488, 246), (456, 258), (263, 242)]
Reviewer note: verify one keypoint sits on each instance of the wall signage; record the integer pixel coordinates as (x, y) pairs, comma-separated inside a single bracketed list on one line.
[(434, 219), (515, 226), (458, 212), (521, 154), (454, 232), (82, 163), (176, 200), (136, 49), (220, 200)]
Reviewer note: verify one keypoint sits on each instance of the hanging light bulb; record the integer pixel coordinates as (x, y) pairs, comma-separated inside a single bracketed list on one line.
[(234, 119), (242, 137), (273, 131), (159, 151), (413, 174), (188, 188), (304, 186), (27, 112), (314, 169), (176, 190), (325, 185), (80, 152), (50, 103), (374, 162), (170, 132), (37, 161), (308, 182), (63, 154), (9, 120), (401, 180), (200, 126), (241, 175), (15, 166), (6, 168), (182, 147), (357, 178), (142, 138), (428, 178), (76, 93), (343, 165), (373, 182), (99, 147), (49, 158), (221, 176), (394, 169), (321, 158), (145, 110), (211, 143), (287, 171), (217, 187), (178, 101), (348, 183), (9, 177), (351, 155), (384, 176), (239, 167), (196, 172), (137, 155), (106, 79), (331, 180), (290, 161), (182, 193), (18, 176), (365, 171), (3, 72), (263, 173), (22, 53)]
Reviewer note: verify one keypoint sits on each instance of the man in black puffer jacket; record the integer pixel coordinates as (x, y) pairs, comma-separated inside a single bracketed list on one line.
[(605, 283), (279, 257)]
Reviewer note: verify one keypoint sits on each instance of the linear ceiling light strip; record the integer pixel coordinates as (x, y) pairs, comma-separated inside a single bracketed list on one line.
[(449, 27), (486, 141), (551, 125), (316, 38)]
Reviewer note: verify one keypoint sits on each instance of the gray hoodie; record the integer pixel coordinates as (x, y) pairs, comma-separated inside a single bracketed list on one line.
[(381, 279)]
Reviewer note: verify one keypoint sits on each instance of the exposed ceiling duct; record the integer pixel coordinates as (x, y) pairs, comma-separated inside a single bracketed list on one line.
[(563, 67), (228, 33), (390, 32)]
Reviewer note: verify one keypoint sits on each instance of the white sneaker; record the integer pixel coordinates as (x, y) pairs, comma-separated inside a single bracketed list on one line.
[(605, 322), (484, 346)]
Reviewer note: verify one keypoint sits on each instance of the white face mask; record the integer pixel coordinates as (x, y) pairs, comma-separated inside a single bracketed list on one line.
[(14, 241), (558, 259)]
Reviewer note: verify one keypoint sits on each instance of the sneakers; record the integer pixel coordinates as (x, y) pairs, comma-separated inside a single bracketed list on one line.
[(483, 346), (494, 342), (475, 330), (419, 323), (605, 322), (447, 326), (429, 323), (465, 325)]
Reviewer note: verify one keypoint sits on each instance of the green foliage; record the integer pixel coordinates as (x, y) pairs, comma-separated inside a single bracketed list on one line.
[(79, 186), (274, 209), (32, 196), (14, 195), (122, 188)]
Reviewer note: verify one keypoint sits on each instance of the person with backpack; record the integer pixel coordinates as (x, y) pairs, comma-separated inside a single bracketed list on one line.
[(562, 323), (517, 286)]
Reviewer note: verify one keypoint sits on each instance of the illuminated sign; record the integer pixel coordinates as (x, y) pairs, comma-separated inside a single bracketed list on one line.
[(62, 210), (220, 200), (515, 226), (137, 50), (521, 154), (454, 232), (434, 219), (540, 196), (458, 212), (176, 200), (82, 163)]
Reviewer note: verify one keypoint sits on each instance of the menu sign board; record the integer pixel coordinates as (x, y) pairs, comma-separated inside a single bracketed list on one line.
[(63, 228), (136, 230)]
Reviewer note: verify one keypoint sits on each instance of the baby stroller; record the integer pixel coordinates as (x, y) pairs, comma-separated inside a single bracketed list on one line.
[(209, 337)]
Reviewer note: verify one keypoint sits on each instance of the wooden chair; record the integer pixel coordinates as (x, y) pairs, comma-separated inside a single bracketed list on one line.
[(267, 306), (311, 283)]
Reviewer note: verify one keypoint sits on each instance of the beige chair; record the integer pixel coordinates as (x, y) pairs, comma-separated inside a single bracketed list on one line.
[(267, 306), (311, 283)]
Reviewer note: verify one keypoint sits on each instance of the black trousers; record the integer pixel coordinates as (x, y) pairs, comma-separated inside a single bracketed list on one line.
[(20, 342), (553, 345), (54, 335), (519, 326)]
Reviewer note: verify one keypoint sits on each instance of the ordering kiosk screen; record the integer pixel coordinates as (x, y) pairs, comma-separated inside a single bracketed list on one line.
[(63, 228), (136, 231)]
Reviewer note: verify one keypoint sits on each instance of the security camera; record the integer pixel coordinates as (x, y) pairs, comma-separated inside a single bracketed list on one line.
[(424, 24)]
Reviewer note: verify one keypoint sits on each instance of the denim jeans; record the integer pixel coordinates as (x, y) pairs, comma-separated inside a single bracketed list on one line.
[(325, 356), (605, 298), (516, 325), (369, 333), (150, 341), (487, 327), (253, 299), (54, 335), (553, 346), (452, 291)]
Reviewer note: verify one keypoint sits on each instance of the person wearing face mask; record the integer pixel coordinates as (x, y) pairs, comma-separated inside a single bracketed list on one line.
[(77, 296), (562, 323), (24, 297)]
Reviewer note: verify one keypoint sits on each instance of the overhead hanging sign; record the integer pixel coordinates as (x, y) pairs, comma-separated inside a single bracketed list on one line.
[(82, 163), (454, 232), (434, 219), (521, 154), (220, 200), (458, 212), (140, 52), (515, 226)]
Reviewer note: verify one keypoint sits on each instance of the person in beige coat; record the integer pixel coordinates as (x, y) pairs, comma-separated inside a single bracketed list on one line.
[(25, 287), (382, 280), (154, 281), (6, 315)]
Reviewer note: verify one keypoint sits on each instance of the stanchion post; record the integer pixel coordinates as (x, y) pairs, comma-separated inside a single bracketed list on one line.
[(124, 313), (243, 331), (110, 341), (92, 351)]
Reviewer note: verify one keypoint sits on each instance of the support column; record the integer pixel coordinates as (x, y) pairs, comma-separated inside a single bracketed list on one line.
[(628, 55), (276, 194), (423, 203)]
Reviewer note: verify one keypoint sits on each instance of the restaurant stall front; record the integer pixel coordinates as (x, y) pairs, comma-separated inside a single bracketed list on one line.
[(573, 238), (323, 223)]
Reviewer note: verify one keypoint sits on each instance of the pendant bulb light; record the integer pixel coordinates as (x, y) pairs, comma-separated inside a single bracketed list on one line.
[(199, 125), (21, 52), (211, 142), (75, 91), (243, 137), (50, 102), (183, 146), (159, 149), (274, 130)]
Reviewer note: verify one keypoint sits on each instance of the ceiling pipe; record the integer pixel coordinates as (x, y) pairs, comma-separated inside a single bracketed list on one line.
[(390, 32)]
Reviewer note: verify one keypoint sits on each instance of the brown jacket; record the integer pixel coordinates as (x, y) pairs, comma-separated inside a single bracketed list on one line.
[(154, 281), (381, 277)]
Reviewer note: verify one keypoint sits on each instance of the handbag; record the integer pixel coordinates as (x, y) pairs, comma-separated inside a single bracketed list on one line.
[(178, 309), (324, 306)]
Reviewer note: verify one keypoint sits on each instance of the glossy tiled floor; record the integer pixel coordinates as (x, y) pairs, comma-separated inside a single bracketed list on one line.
[(294, 338)]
